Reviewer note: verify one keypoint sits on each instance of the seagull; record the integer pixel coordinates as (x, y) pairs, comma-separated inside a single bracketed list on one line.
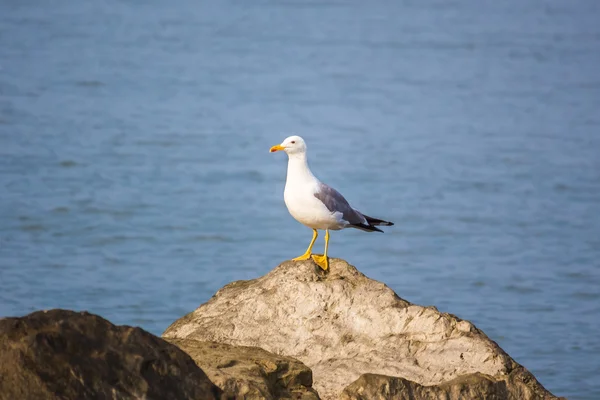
[(317, 205)]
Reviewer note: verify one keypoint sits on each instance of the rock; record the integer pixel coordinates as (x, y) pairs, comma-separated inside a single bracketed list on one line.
[(250, 372), (516, 385), (69, 355), (342, 324)]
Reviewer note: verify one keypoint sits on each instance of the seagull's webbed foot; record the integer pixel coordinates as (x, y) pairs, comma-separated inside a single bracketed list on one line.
[(321, 261), (308, 251), (303, 257)]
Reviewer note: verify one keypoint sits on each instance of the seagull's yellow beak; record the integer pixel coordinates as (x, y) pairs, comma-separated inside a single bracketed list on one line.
[(276, 148)]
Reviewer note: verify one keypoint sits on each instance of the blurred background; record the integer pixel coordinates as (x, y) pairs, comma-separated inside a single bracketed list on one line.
[(136, 181)]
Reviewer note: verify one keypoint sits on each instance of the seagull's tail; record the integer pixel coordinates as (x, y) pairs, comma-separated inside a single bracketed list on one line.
[(366, 228), (377, 222), (371, 225)]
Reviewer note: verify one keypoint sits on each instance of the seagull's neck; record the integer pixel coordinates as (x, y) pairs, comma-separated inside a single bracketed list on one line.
[(298, 170)]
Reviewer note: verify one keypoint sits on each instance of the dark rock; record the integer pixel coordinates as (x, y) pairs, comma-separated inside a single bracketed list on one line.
[(61, 354), (518, 385), (250, 372)]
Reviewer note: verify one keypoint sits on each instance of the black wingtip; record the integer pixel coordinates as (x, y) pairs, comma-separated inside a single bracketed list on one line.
[(366, 228), (386, 223), (377, 222)]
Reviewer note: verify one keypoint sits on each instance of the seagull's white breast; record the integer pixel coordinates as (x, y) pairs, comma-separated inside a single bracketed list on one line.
[(299, 196), (307, 209)]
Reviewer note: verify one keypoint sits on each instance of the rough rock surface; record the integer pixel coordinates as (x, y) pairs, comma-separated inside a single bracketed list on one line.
[(250, 372), (514, 386), (342, 324), (70, 355)]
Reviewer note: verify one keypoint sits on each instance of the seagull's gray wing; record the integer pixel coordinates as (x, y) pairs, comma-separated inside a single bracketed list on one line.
[(335, 202)]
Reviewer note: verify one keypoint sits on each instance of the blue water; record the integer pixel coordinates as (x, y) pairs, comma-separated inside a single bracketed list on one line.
[(136, 180)]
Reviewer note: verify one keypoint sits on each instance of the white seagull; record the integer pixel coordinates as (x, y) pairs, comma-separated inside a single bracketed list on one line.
[(315, 204)]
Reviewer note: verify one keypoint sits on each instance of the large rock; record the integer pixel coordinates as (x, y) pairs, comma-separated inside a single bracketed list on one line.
[(342, 324), (250, 372), (68, 355)]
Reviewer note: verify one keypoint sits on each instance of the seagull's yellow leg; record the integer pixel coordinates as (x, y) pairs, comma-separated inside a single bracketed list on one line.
[(322, 261), (307, 253)]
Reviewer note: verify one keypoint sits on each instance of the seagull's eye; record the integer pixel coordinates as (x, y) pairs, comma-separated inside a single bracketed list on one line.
[(293, 142)]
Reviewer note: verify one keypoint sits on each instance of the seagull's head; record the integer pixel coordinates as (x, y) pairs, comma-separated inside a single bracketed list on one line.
[(291, 145)]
